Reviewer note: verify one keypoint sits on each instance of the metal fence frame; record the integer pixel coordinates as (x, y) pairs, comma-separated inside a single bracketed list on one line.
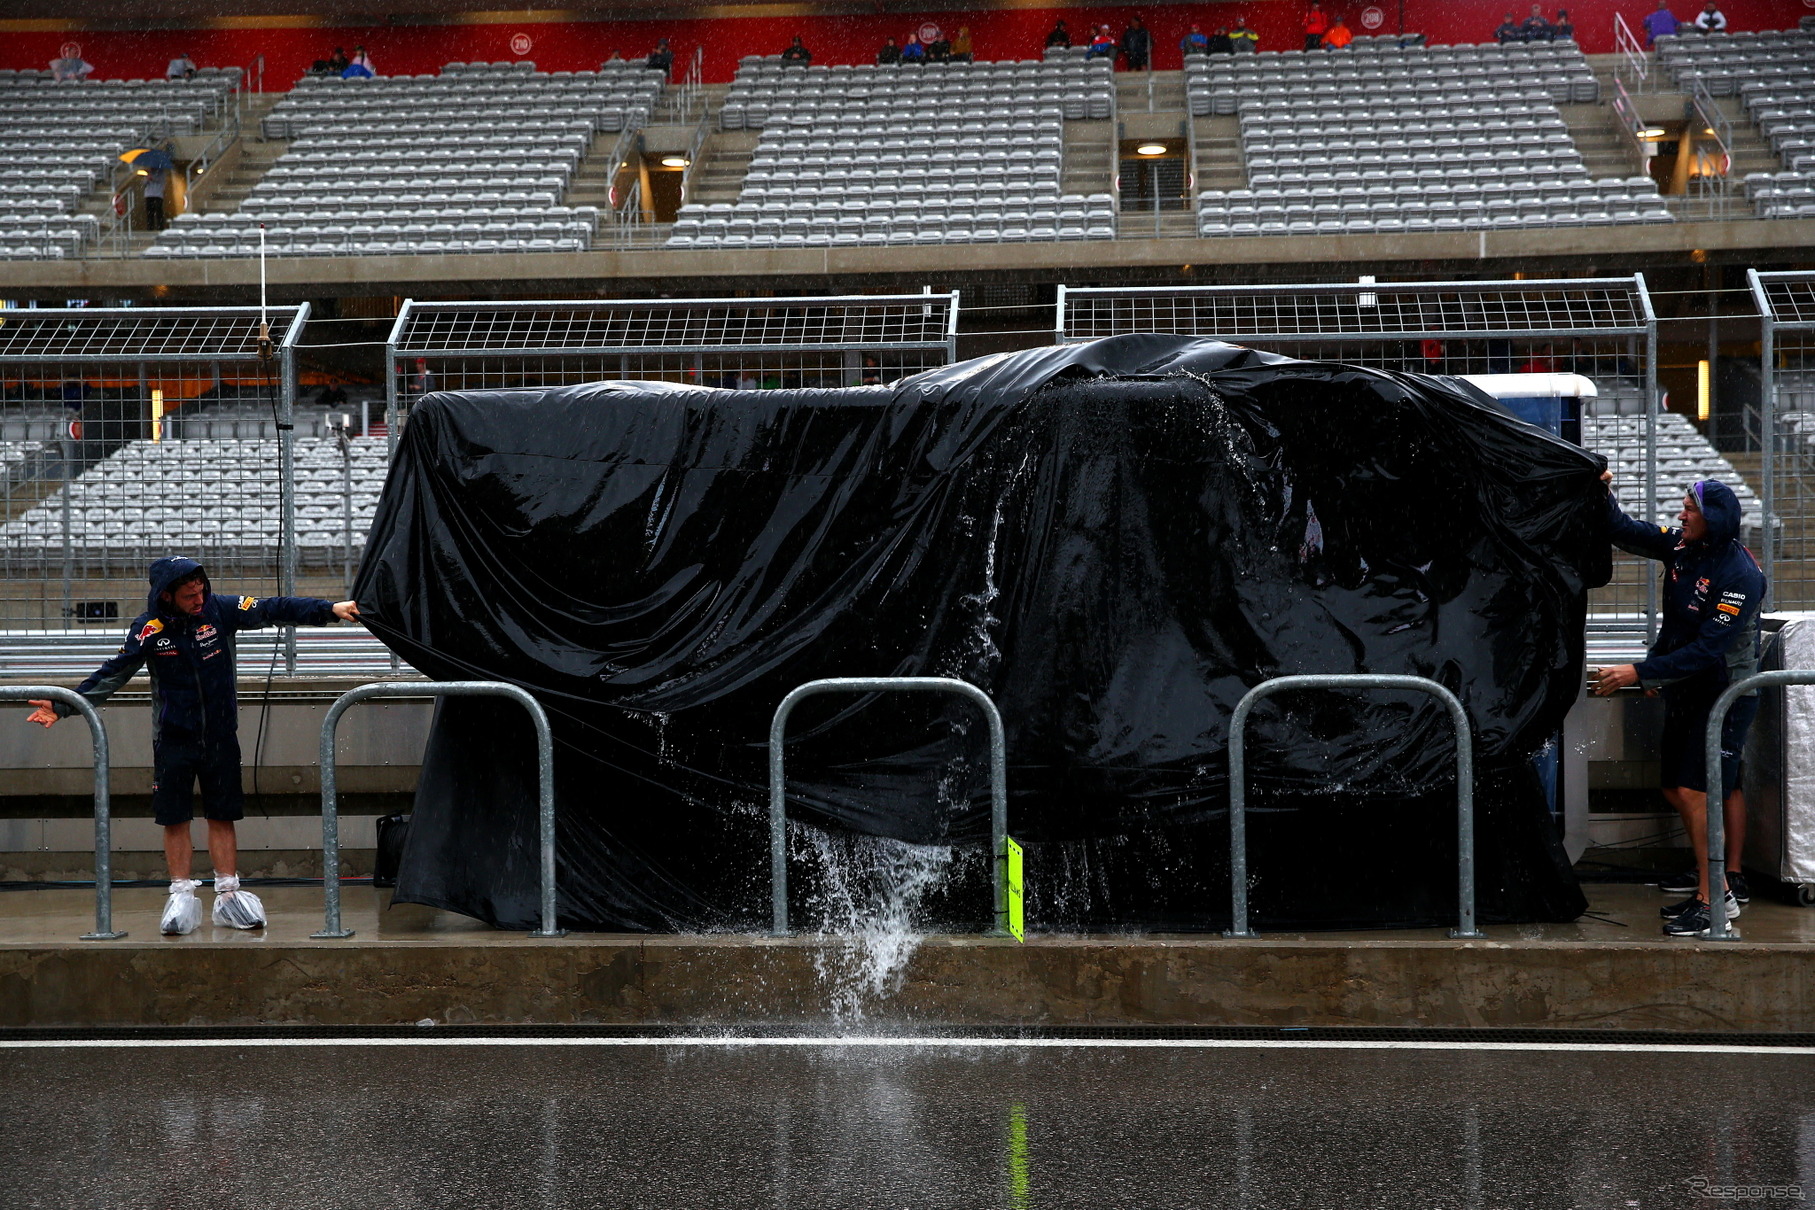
[(1287, 317), (633, 329), (1719, 927), (91, 340), (330, 802), (103, 773), (778, 786), (1238, 789), (1786, 307)]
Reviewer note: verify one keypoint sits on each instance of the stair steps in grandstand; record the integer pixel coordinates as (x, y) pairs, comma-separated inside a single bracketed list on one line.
[(1134, 222), (1160, 92), (1090, 152), (1219, 153), (256, 157), (1794, 488), (1605, 151), (1750, 151), (591, 184), (724, 160)]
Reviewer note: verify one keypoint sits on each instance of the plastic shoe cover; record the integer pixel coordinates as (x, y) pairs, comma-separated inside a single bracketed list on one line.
[(182, 911), (234, 908)]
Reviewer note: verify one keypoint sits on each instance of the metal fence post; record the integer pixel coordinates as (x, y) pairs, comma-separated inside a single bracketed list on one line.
[(1238, 791), (1719, 928), (286, 434), (104, 930), (1652, 408), (330, 805), (778, 796), (1767, 430)]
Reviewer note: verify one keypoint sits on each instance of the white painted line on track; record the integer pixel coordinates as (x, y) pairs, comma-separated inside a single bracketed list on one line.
[(881, 1043)]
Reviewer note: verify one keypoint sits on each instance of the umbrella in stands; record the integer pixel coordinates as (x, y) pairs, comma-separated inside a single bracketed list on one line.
[(149, 159)]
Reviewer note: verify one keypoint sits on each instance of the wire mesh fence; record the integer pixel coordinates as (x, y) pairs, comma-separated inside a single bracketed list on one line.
[(1603, 329), (1786, 304), (750, 344), (126, 434)]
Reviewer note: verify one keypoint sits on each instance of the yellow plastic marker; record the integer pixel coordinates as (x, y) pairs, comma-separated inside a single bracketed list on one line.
[(1017, 919)]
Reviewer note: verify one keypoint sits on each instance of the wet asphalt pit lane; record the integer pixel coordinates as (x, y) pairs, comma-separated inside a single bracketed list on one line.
[(907, 1126)]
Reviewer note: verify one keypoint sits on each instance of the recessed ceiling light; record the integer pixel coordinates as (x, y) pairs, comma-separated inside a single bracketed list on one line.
[(675, 161), (1652, 132), (1151, 149)]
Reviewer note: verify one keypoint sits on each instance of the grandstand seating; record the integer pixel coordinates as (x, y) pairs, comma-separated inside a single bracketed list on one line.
[(837, 164), (476, 159), (1683, 456), (1773, 74), (121, 509), (1448, 138), (62, 139)]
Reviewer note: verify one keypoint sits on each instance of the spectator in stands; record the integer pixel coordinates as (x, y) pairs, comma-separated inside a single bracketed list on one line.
[(1535, 28), (70, 67), (1659, 23), (186, 636), (1562, 29), (1338, 36), (1317, 24), (180, 68), (961, 46), (425, 377), (359, 67), (1137, 44), (1244, 40), (1219, 43), (939, 50), (337, 62), (1711, 20), (1509, 31), (913, 52), (1712, 589), (331, 394), (890, 53), (797, 52), (1102, 44), (1542, 361), (155, 183), (1060, 36), (1194, 43), (661, 58)]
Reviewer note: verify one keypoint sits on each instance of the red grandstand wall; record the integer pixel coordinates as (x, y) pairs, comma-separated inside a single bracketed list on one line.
[(998, 34)]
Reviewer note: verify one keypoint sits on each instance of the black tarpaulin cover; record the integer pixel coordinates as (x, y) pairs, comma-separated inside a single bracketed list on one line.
[(1115, 540)]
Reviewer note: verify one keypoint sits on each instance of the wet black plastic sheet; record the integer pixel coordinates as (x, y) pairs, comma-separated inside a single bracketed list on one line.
[(1115, 540)]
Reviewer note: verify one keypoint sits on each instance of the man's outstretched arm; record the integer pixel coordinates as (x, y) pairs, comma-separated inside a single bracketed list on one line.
[(253, 613), (102, 682)]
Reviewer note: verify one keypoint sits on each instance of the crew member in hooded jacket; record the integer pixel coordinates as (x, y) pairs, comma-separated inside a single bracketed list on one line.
[(185, 638), (1712, 592)]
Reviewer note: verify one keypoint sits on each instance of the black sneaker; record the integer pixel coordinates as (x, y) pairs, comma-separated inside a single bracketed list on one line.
[(1677, 909), (1737, 886), (1693, 921), (1680, 884)]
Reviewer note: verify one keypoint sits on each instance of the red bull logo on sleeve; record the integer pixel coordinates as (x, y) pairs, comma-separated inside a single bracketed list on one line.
[(148, 629), (247, 602)]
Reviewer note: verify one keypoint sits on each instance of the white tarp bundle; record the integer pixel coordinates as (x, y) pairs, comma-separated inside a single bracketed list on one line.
[(1780, 763)]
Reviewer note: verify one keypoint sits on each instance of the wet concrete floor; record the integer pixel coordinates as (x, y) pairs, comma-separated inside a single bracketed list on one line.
[(672, 1125), (1621, 912)]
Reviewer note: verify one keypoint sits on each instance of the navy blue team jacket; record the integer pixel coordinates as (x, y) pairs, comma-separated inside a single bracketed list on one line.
[(1713, 590), (191, 658)]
